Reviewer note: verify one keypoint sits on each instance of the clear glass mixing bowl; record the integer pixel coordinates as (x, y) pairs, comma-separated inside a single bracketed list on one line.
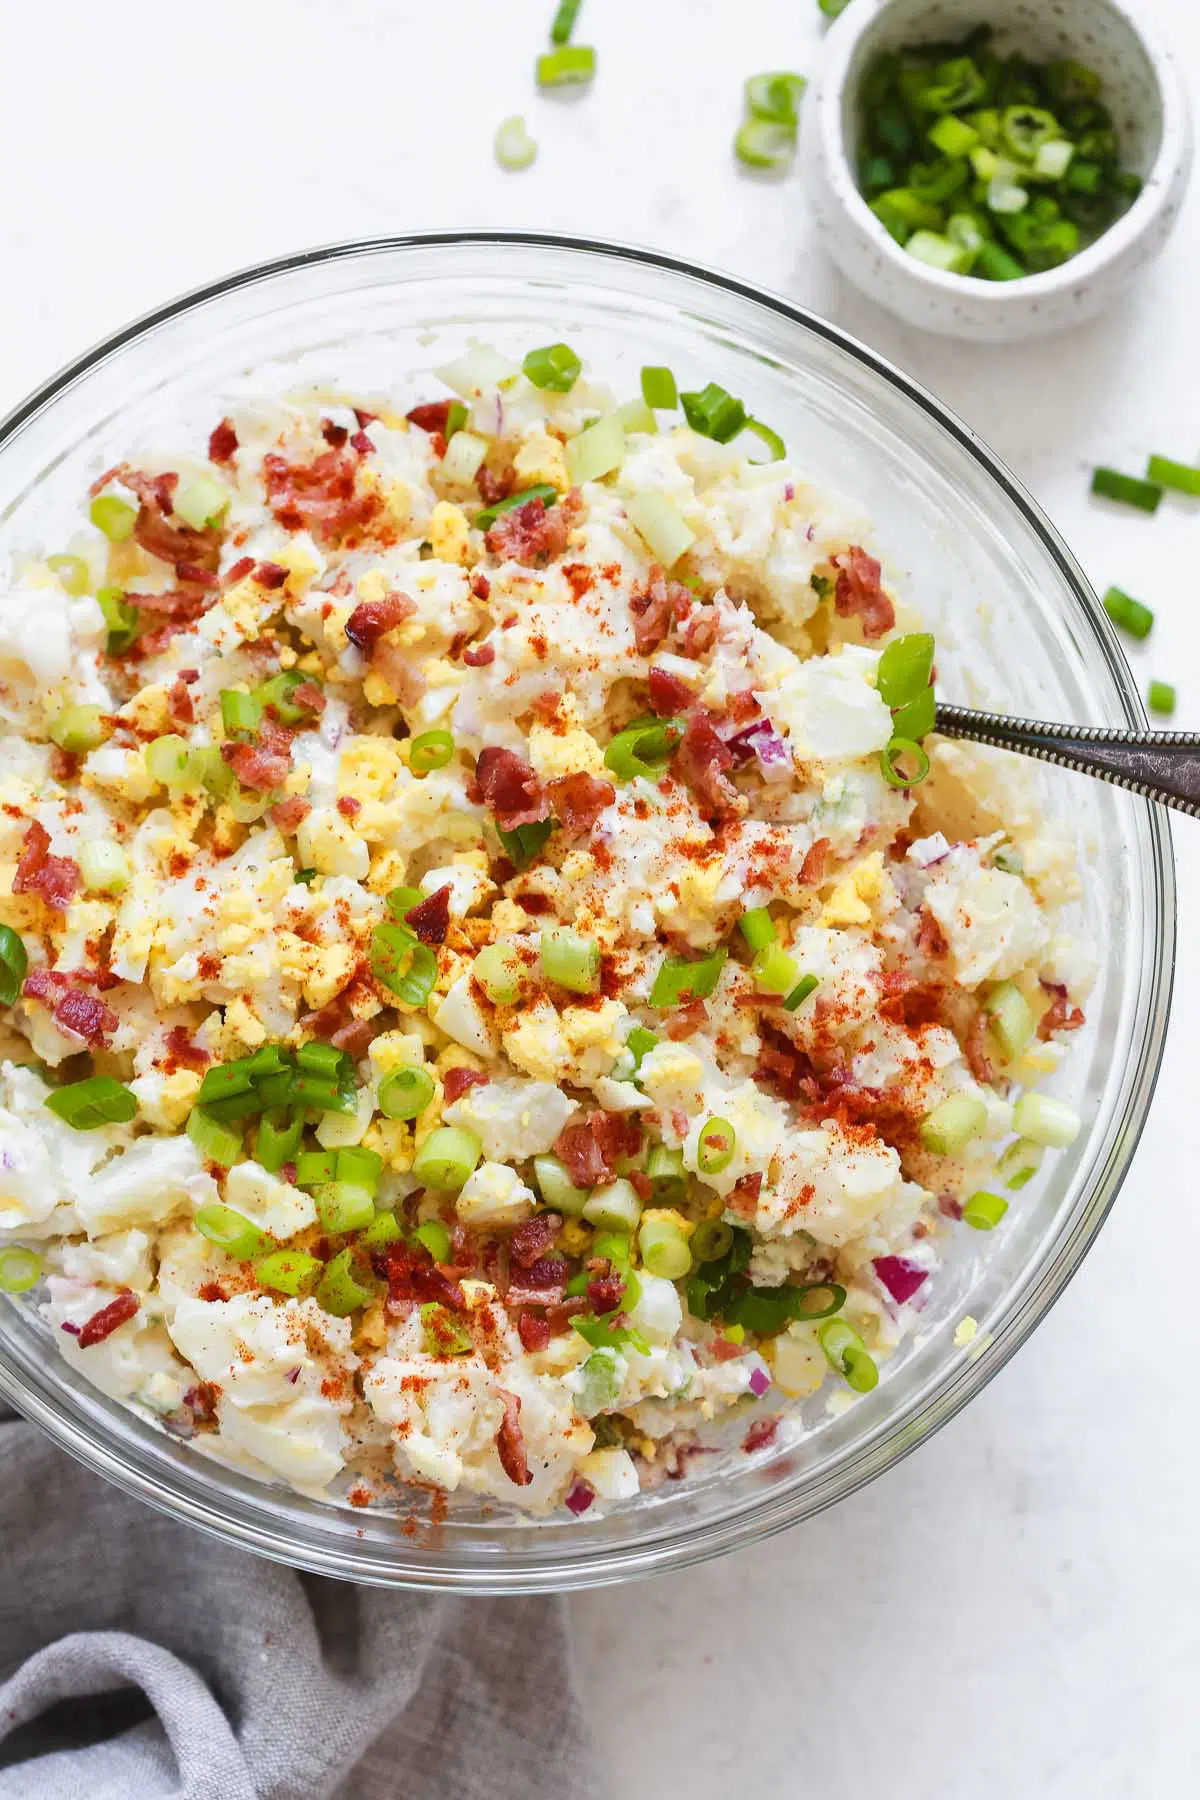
[(1017, 622)]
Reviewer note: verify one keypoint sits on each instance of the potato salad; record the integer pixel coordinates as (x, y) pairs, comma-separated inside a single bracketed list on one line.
[(500, 985)]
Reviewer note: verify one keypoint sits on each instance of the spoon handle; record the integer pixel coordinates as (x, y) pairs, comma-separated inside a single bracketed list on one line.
[(1158, 765)]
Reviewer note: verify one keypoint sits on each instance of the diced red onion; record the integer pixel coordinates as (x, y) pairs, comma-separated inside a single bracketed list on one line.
[(73, 1329), (900, 1277), (789, 490), (579, 1496), (760, 1381), (763, 742)]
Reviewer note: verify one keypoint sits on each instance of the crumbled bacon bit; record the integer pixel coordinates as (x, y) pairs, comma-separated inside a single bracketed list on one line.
[(362, 443), (372, 618), (288, 815), (431, 416), (533, 533), (578, 800), (85, 1017), (55, 878), (812, 869), (604, 1293), (179, 703), (478, 656), (532, 1239), (430, 918), (533, 1330), (931, 941), (481, 587), (505, 782), (700, 633), (760, 1434), (355, 1037), (701, 760), (161, 534), (493, 484), (431, 1283), (348, 806), (102, 1324), (1060, 1015), (975, 1049), (334, 435), (668, 695), (264, 764), (860, 594), (683, 1021), (655, 607), (321, 497), (592, 1150), (457, 1081), (269, 575), (309, 696), (240, 569), (510, 1444), (222, 442)]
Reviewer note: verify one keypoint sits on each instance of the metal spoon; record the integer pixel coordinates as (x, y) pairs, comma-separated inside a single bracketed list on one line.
[(1158, 765)]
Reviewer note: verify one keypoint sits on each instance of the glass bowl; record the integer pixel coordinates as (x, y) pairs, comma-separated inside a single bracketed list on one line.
[(1017, 622)]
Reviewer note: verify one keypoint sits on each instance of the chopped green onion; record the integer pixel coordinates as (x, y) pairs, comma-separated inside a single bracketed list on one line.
[(240, 712), (317, 1094), (78, 729), (571, 959), (89, 1104), (774, 971), (344, 1206), (447, 1157), (384, 1229), (315, 1167), (456, 418), (115, 518), (711, 1240), (430, 750), (635, 415), (514, 148), (20, 1269), (644, 749), (404, 966), (1128, 613), (664, 1167), (678, 979), (664, 1249), (564, 21), (758, 927), (807, 984), (715, 1146), (938, 252), (465, 456), (833, 9), (1044, 1120), (542, 491), (216, 1141), (14, 964), (657, 519), (917, 718), (1112, 485), (168, 762), (556, 1187), (479, 368), (320, 1059), (776, 96), (500, 972), (123, 620), (1053, 159), (658, 387), (199, 500), (848, 1355), (1019, 1164), (571, 66), (1182, 477), (639, 1043), (889, 765), (763, 144), (291, 1272), (554, 368), (104, 867), (953, 137), (596, 451), (405, 1093), (277, 694), (522, 845), (345, 1285), (996, 263), (616, 1206), (444, 1334), (714, 413), (361, 1166), (904, 668), (402, 900), (770, 438), (72, 572), (277, 1141), (767, 1310), (232, 1232), (952, 1124), (1011, 1017), (1161, 698), (984, 1211), (436, 1239)]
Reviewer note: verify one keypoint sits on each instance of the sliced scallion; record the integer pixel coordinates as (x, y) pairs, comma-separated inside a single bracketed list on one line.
[(664, 1249), (715, 1146), (87, 1105), (678, 979), (984, 1211), (1128, 613), (573, 65), (20, 1269), (657, 519), (14, 964), (596, 451), (763, 144), (345, 1284), (1161, 698), (232, 1231), (104, 866), (72, 573), (554, 368), (447, 1157), (571, 959), (714, 413), (1043, 1120), (952, 1124), (292, 1272), (514, 148), (114, 517), (890, 766), (1184, 478), (1127, 489), (564, 21), (658, 387), (430, 750), (405, 1093), (848, 1355)]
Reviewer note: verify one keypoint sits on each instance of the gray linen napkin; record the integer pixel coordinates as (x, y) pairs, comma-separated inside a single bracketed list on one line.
[(140, 1660)]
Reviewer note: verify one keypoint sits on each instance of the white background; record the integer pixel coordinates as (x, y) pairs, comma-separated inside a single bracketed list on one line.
[(1014, 1613)]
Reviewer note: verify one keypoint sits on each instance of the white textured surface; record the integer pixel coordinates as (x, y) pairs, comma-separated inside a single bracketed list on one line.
[(1016, 1610)]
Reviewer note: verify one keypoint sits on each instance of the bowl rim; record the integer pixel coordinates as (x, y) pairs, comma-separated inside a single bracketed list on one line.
[(681, 1546), (1171, 163)]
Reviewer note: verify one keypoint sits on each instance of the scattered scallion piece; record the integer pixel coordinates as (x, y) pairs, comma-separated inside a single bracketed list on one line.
[(500, 972), (384, 1229), (122, 618), (1128, 489), (657, 518), (556, 1187), (514, 148), (848, 1355), (807, 984), (554, 368), (1161, 698), (1183, 478), (168, 761), (232, 1231), (573, 65), (774, 971), (658, 387), (635, 415), (487, 518), (571, 959), (89, 1104), (72, 573), (758, 927), (984, 1211), (406, 967), (430, 750), (277, 695), (1011, 1017), (904, 668), (104, 866), (14, 964), (715, 1146), (564, 21), (1128, 613), (833, 9), (678, 979), (447, 1157), (768, 436), (639, 1043), (345, 1284), (358, 1164), (763, 144), (216, 1141), (952, 1124), (20, 1269), (711, 1240), (714, 413), (78, 729), (616, 1207), (1044, 1120), (775, 95), (199, 500), (522, 844), (664, 1167), (405, 1093), (596, 451), (444, 1335), (664, 1249), (292, 1272), (344, 1206), (644, 749), (1017, 1165), (889, 764), (435, 1238), (240, 712), (278, 1140), (114, 517)]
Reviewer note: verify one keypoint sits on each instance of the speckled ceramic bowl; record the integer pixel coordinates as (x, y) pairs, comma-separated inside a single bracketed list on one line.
[(1143, 89)]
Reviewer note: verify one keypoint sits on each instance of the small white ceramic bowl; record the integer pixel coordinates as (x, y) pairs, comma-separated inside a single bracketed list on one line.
[(1141, 85)]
